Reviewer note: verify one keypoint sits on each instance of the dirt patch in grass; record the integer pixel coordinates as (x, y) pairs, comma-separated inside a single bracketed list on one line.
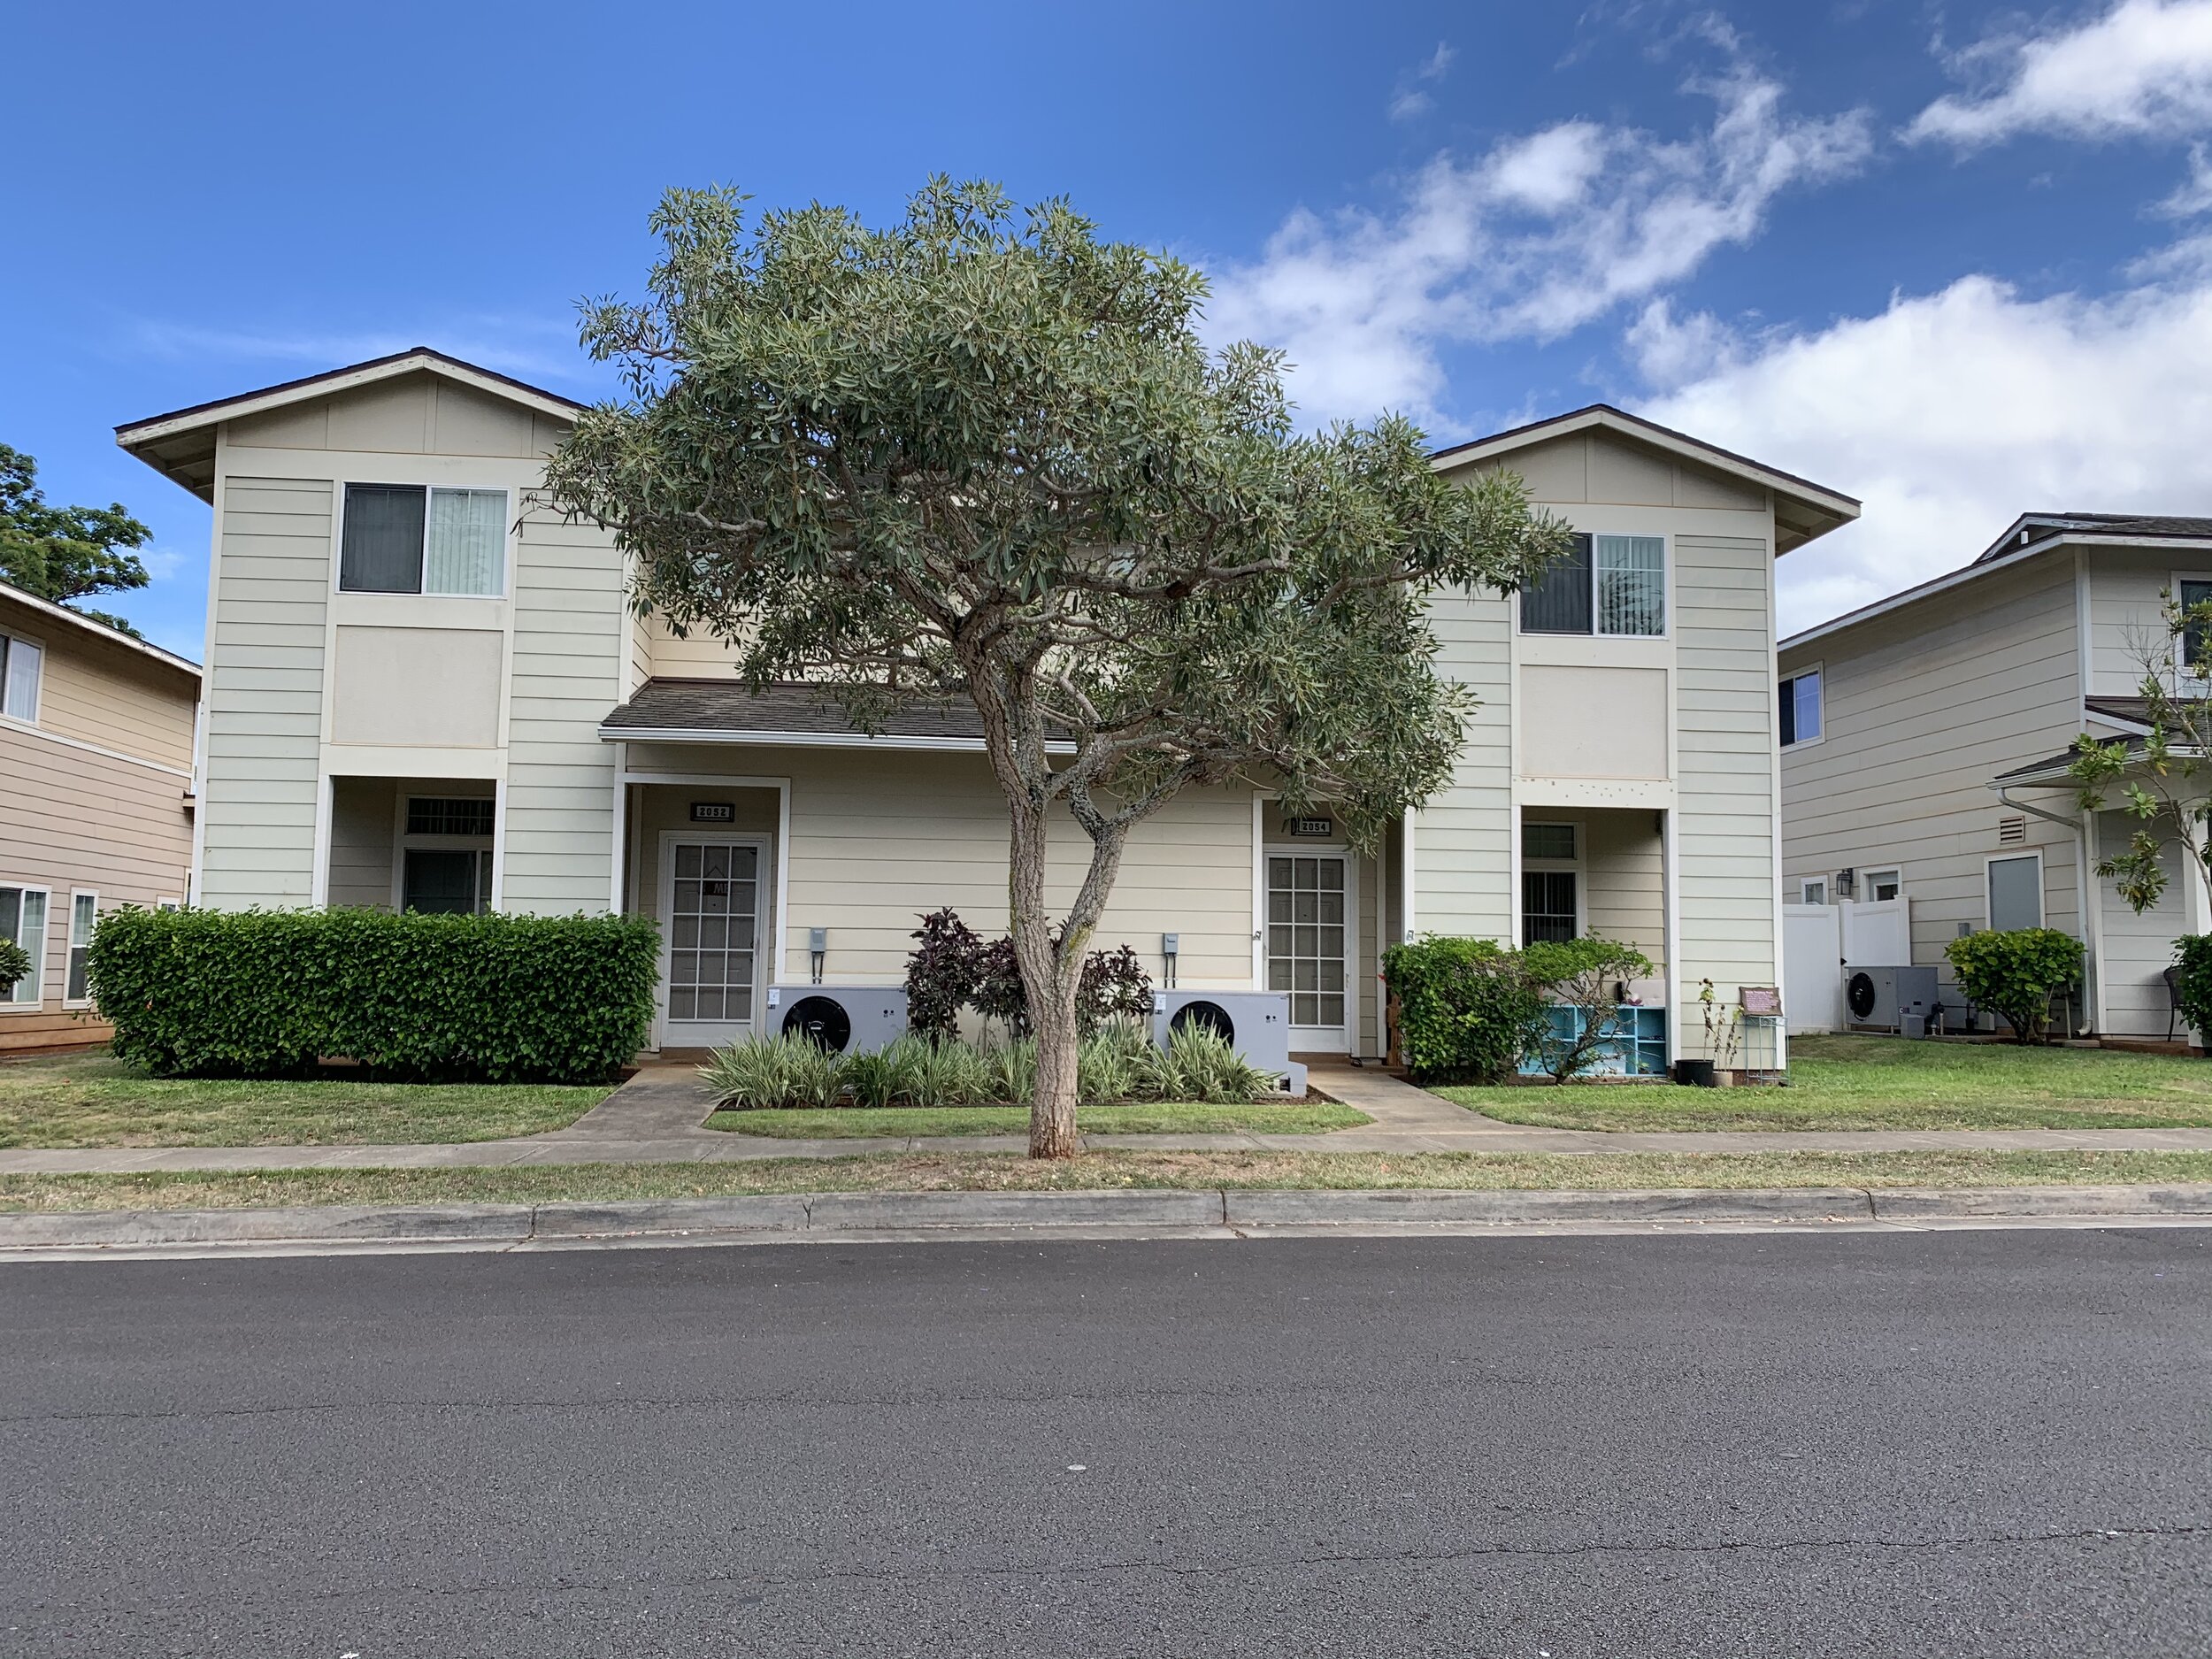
[(1843, 1083), (1002, 1172), (79, 1100), (1306, 1117)]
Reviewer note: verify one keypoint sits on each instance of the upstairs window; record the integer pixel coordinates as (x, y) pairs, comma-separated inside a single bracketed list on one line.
[(2189, 595), (408, 539), (1801, 706), (1603, 583), (19, 665)]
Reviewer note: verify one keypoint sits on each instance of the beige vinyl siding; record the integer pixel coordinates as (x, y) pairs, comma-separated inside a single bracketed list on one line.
[(1463, 863), (1724, 758), (878, 840), (363, 814), (1623, 866), (571, 642), (264, 697), (2138, 949), (414, 414), (1602, 468), (2127, 614), (70, 819), (1921, 709), (110, 695)]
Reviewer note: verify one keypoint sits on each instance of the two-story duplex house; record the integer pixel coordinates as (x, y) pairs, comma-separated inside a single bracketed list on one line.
[(428, 689), (1925, 743), (95, 746)]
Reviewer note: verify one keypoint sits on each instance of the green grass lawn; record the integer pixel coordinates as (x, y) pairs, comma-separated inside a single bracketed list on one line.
[(1889, 1083), (95, 1100), (1142, 1118), (1100, 1171)]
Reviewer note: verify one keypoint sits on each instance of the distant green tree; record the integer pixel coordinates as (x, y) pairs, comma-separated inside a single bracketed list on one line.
[(65, 553)]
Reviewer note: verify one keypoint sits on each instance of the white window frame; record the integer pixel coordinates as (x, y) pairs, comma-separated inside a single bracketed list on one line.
[(1808, 885), (69, 956), (2174, 580), (37, 950), (1869, 878), (402, 840), (1782, 683), (38, 692), (422, 560), (1556, 866), (2041, 913), (1595, 632)]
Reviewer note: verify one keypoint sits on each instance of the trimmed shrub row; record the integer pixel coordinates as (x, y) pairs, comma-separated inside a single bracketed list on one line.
[(499, 999)]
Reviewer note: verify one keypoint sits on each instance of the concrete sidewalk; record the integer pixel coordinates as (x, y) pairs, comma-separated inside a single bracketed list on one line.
[(656, 1117)]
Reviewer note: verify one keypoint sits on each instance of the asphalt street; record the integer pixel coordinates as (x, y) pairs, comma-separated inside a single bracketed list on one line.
[(1961, 1443)]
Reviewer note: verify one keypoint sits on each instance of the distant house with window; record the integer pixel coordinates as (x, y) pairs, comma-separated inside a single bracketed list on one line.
[(1925, 743), (95, 738), (426, 689)]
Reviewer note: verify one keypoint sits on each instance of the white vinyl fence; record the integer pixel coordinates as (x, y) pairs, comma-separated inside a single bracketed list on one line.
[(1820, 940)]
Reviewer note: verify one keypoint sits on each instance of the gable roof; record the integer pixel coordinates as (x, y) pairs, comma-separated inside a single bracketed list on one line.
[(49, 611), (181, 445), (2032, 535), (1802, 508), (2031, 527), (788, 712)]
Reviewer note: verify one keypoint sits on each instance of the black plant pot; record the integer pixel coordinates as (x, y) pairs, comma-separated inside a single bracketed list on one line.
[(1695, 1074)]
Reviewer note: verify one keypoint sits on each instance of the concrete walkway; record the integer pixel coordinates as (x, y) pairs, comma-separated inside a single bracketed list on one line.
[(656, 1117)]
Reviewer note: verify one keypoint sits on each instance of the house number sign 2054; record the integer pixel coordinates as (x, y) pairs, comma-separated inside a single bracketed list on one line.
[(1320, 828)]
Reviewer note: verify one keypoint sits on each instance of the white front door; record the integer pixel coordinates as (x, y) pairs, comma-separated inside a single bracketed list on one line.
[(1309, 933), (710, 933)]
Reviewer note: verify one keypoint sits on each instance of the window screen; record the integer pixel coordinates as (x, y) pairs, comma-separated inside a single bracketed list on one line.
[(1547, 906), (444, 882), (1632, 584), (440, 815), (382, 548), (2193, 635), (1801, 708), (18, 677), (84, 911), (1547, 841), (1559, 603), (466, 553), (2015, 894), (23, 919)]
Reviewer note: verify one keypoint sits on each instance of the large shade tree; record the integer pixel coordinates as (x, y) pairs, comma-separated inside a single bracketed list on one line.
[(982, 454), (66, 553)]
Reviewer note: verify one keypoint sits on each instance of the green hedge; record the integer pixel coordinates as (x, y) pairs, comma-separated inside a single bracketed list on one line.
[(2014, 973), (1467, 1010), (502, 999), (2192, 988)]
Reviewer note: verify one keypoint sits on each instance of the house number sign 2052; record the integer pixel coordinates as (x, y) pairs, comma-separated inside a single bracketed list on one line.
[(713, 812)]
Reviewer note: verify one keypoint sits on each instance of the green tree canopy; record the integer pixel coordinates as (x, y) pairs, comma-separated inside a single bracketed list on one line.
[(983, 455), (65, 553)]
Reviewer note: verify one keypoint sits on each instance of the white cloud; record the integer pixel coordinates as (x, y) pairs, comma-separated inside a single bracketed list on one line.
[(1409, 100), (1546, 232), (2145, 67), (1952, 412)]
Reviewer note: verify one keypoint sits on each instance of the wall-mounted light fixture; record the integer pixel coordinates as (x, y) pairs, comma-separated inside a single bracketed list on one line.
[(1845, 881), (1170, 947), (817, 950)]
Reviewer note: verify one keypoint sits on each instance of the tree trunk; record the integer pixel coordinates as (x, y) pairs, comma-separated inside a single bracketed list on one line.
[(1049, 984)]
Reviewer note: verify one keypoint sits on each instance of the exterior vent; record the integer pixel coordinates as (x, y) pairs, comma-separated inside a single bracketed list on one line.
[(2011, 831)]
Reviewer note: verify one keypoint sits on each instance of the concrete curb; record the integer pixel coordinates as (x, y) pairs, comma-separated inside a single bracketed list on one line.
[(823, 1215)]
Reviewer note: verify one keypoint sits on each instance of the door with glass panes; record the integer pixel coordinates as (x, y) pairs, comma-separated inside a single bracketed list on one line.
[(1309, 936), (710, 924)]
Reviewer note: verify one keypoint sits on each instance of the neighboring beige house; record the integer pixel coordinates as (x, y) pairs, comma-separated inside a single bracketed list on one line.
[(1925, 747), (95, 741), (426, 688)]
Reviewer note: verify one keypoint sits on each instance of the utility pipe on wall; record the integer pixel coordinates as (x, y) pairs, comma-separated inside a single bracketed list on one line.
[(2092, 936)]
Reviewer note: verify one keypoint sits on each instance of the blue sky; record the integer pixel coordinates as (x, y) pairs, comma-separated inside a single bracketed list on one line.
[(1955, 260)]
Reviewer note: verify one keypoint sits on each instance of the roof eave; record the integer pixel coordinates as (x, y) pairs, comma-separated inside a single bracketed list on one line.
[(1820, 509), (100, 630), (804, 740)]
